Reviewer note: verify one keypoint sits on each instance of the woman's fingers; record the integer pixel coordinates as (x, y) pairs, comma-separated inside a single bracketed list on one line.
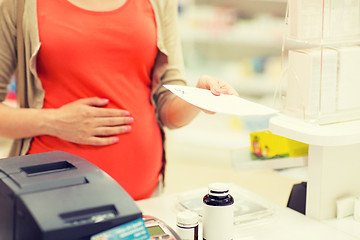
[(112, 121), (93, 101), (216, 86), (111, 131), (109, 112), (101, 141)]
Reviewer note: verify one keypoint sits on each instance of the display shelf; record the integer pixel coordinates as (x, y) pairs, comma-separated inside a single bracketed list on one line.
[(271, 45), (257, 36), (225, 144), (242, 163), (354, 40), (333, 161), (336, 134), (251, 7), (258, 31)]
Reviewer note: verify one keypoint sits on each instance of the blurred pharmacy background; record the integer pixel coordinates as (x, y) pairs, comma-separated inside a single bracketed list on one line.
[(239, 41)]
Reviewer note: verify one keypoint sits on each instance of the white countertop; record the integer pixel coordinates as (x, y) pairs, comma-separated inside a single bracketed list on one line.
[(284, 223)]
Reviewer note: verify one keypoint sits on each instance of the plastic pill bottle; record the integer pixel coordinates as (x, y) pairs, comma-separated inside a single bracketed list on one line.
[(187, 225), (218, 213)]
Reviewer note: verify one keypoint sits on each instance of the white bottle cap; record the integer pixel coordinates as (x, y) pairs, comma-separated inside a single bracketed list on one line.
[(187, 217), (218, 189)]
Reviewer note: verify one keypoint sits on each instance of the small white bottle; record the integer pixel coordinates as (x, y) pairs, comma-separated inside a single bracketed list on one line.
[(218, 213), (187, 225)]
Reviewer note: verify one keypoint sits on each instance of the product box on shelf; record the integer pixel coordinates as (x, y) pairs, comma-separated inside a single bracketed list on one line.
[(265, 145), (315, 19), (304, 87)]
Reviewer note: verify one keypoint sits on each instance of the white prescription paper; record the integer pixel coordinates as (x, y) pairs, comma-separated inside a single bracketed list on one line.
[(228, 104)]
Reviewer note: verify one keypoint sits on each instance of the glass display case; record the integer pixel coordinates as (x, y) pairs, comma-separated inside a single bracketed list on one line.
[(320, 55)]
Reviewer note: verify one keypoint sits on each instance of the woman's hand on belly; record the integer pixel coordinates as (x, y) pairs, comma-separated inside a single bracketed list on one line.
[(86, 121)]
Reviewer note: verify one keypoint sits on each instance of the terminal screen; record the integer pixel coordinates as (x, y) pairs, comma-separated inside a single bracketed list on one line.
[(156, 230)]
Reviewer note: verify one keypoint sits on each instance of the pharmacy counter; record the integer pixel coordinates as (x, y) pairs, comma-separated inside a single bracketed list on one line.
[(278, 223)]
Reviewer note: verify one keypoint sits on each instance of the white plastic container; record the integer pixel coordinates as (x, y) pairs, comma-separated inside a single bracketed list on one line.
[(218, 213), (187, 225)]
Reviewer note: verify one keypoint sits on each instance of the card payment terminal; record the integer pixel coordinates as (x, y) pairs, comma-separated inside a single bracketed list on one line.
[(158, 230)]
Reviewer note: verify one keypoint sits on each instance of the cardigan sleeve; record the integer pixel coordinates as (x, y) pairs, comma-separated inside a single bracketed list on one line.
[(169, 65), (7, 44)]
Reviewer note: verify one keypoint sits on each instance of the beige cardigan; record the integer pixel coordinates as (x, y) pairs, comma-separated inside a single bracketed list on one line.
[(168, 68)]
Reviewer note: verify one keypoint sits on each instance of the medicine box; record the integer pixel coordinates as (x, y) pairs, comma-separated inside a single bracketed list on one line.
[(312, 82), (349, 78), (265, 145), (323, 19)]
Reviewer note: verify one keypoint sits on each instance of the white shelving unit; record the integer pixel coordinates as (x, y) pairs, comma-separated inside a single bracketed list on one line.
[(333, 161), (330, 135), (334, 141)]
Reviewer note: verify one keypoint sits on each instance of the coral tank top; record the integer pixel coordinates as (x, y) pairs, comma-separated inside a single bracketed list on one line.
[(108, 55)]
